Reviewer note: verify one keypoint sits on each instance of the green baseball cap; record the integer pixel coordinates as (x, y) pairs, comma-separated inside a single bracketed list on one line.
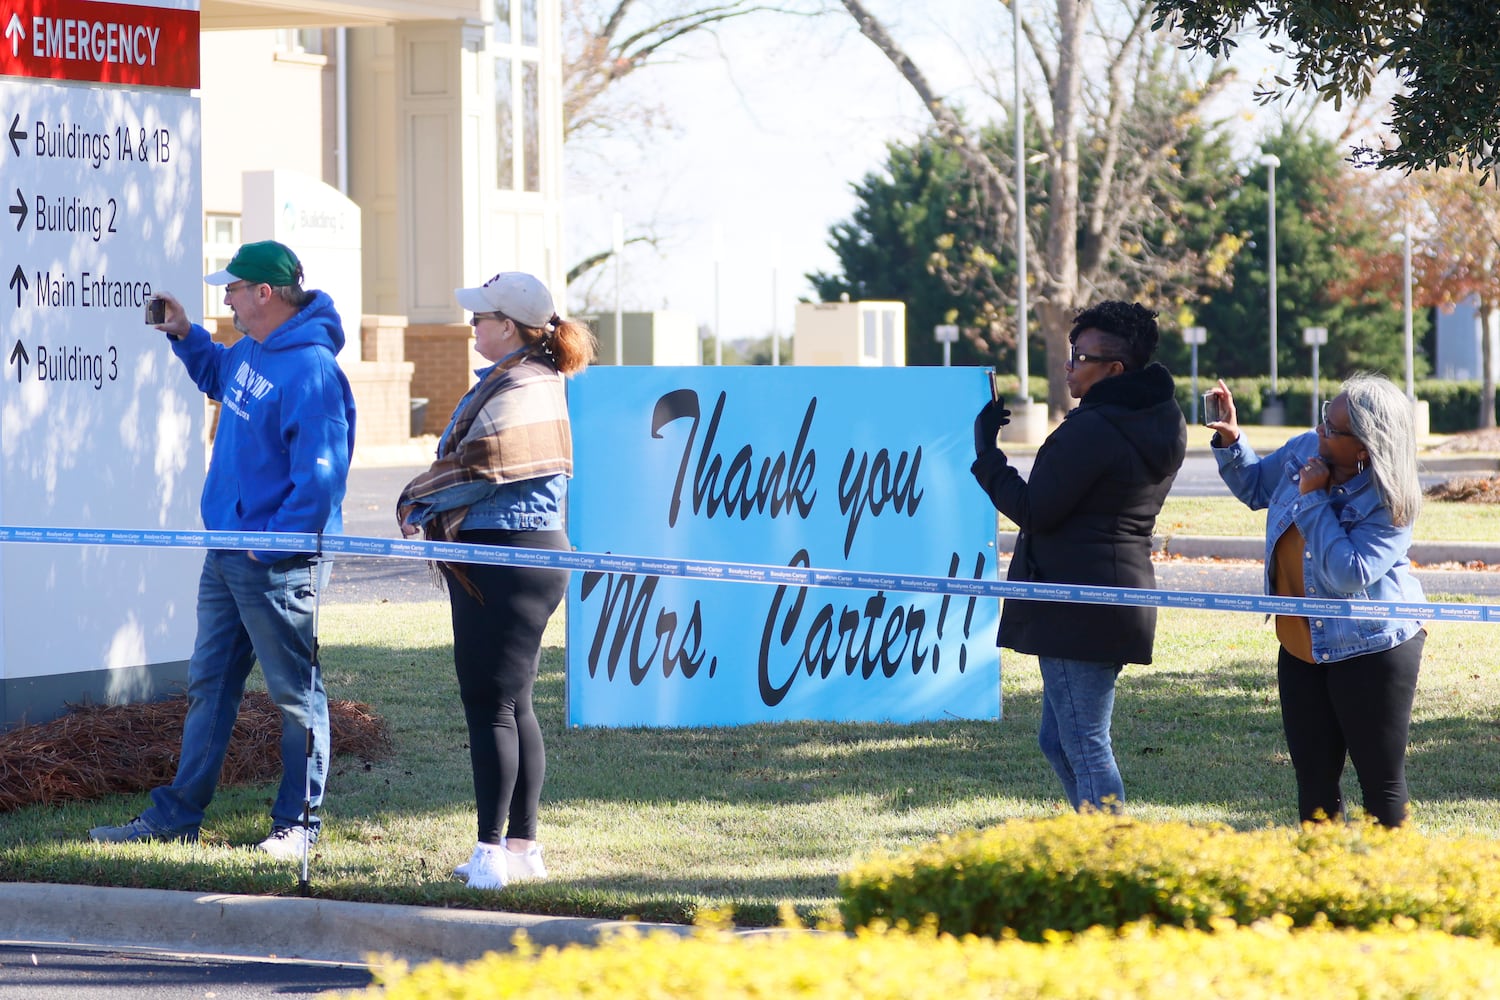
[(266, 262)]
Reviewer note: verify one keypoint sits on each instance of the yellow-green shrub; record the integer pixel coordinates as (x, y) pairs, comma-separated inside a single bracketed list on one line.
[(1263, 962), (1028, 877)]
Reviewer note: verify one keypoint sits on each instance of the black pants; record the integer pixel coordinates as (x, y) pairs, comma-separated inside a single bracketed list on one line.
[(497, 642), (1360, 706)]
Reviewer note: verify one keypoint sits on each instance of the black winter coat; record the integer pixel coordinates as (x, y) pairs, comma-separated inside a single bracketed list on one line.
[(1087, 516)]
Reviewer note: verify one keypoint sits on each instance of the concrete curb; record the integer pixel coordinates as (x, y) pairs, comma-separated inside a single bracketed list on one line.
[(1421, 553), (1253, 548), (278, 927)]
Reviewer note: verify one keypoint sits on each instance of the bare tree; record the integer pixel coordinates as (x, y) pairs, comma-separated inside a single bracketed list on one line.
[(606, 42), (1074, 245)]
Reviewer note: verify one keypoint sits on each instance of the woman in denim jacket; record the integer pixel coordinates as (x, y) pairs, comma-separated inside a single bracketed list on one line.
[(1340, 504)]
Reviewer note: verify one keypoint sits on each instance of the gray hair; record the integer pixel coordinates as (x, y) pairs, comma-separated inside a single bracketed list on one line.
[(1380, 416), (293, 295)]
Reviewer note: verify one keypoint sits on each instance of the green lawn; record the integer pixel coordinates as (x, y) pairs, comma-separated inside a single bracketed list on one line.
[(1440, 521), (663, 823)]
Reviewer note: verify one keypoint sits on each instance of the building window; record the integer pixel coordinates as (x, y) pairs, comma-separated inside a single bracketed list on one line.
[(528, 22), (300, 41), (505, 128), (502, 21), (531, 124), (518, 95), (221, 238)]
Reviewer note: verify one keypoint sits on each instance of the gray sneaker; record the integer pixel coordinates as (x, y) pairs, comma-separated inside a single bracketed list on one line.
[(137, 830)]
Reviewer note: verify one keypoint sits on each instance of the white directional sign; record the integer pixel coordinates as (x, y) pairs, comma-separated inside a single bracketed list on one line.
[(99, 427)]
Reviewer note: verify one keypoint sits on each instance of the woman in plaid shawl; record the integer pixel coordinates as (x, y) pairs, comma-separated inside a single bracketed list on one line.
[(500, 479)]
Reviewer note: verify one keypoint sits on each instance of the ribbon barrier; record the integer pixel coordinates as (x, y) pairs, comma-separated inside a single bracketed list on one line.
[(740, 572)]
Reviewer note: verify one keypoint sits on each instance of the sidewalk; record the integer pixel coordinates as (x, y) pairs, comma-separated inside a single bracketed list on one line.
[(318, 930)]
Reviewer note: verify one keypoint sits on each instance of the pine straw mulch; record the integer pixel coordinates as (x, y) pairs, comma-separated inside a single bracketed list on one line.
[(97, 750), (1468, 489), (1487, 440)]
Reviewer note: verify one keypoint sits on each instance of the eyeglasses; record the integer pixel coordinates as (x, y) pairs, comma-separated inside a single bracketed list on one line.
[(235, 286), (478, 318), (1328, 429), (1075, 359)]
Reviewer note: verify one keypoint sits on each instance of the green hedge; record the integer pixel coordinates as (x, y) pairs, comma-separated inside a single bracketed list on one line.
[(1030, 878), (1265, 962), (1452, 407)]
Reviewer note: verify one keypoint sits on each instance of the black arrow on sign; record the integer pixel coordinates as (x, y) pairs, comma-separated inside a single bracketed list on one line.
[(18, 282), (19, 208), (19, 351), (15, 133)]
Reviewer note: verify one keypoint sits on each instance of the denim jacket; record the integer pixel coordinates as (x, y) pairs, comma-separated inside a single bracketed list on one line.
[(1351, 551)]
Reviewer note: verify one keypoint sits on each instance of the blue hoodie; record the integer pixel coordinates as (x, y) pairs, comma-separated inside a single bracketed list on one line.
[(286, 426)]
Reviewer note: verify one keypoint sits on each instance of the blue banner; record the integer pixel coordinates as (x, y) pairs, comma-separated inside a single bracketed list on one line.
[(860, 472)]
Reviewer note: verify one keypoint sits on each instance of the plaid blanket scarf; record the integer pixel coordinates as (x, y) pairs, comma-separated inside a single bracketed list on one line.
[(514, 427)]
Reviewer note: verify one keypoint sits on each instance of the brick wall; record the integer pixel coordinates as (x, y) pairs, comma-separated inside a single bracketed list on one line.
[(444, 361)]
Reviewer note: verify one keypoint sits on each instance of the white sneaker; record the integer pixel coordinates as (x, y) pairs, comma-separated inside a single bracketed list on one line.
[(286, 843), (517, 866), (487, 867), (526, 864)]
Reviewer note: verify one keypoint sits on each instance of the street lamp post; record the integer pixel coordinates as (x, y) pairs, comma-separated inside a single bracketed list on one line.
[(1315, 337), (718, 249), (1411, 388), (1271, 161), (1023, 361), (1193, 336), (617, 245)]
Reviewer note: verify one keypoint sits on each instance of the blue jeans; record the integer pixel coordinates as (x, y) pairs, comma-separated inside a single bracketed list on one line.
[(1078, 698), (249, 611)]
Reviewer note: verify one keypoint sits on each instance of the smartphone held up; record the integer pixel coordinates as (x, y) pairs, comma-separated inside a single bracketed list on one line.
[(1213, 408), (156, 310)]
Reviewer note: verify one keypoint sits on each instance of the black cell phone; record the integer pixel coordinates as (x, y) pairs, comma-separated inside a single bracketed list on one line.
[(156, 310), (995, 385), (1213, 408)]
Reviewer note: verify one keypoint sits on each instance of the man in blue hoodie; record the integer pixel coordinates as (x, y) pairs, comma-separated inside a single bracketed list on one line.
[(280, 463)]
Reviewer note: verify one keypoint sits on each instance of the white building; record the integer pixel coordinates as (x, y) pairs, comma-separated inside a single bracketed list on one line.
[(440, 119)]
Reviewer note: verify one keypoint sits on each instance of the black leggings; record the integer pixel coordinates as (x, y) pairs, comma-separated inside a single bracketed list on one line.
[(497, 645), (1360, 706)]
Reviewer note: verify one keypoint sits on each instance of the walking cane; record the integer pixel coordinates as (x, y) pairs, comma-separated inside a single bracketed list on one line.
[(304, 886)]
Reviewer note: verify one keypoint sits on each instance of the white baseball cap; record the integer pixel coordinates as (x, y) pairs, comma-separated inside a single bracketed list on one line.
[(515, 294)]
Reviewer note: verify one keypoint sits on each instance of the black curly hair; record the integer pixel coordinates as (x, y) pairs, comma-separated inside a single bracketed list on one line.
[(1131, 327)]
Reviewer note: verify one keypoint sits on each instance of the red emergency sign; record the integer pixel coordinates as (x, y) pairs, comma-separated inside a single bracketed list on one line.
[(99, 43)]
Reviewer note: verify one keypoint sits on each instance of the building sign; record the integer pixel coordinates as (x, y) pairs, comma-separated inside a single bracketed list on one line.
[(844, 469), (99, 426), (118, 43)]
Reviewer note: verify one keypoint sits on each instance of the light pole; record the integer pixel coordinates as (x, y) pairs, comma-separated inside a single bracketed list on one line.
[(1194, 335), (1271, 161), (618, 245), (1315, 337), (718, 240), (1023, 361), (1411, 387)]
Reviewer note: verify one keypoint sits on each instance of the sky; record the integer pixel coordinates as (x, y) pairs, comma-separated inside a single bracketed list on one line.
[(771, 128), (773, 122)]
